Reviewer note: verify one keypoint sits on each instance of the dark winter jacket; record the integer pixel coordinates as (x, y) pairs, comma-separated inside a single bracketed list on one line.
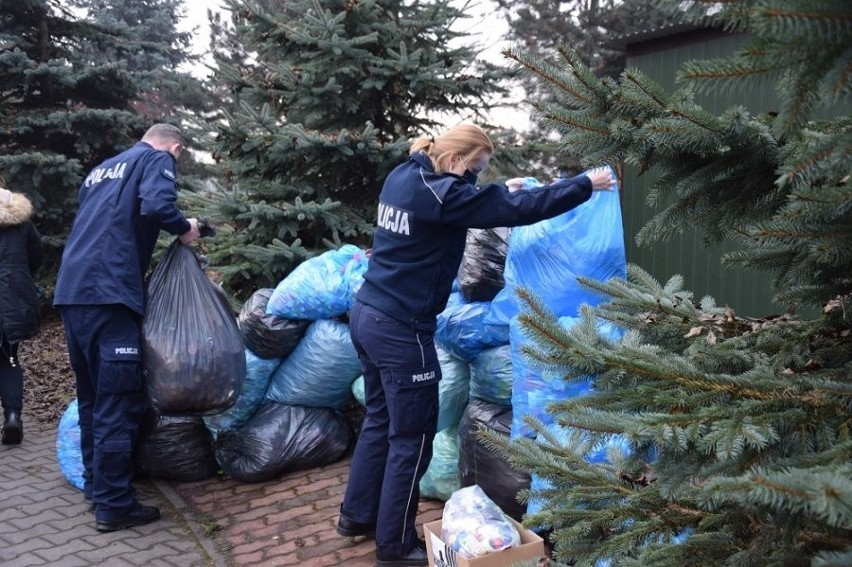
[(422, 223), (124, 202), (20, 257)]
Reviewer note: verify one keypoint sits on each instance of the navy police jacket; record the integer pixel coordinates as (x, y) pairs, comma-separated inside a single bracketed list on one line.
[(124, 203), (420, 234)]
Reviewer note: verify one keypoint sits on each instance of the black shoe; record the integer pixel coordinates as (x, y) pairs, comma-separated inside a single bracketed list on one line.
[(13, 429), (417, 557), (138, 516), (350, 528)]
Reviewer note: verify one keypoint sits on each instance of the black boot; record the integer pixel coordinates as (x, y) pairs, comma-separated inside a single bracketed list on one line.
[(139, 515), (13, 429), (351, 528), (416, 557)]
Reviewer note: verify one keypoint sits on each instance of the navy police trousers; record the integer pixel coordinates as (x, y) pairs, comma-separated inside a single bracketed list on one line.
[(401, 374), (105, 352)]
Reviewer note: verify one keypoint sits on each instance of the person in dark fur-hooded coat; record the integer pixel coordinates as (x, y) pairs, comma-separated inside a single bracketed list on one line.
[(20, 308)]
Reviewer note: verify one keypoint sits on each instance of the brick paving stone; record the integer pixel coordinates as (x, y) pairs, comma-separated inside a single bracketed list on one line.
[(64, 537), (304, 528), (14, 537), (74, 561), (218, 522), (30, 547), (21, 561), (55, 554), (45, 522), (318, 485)]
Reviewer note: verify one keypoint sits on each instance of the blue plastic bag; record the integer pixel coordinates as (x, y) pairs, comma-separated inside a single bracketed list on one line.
[(533, 389), (358, 391), (547, 257), (321, 287), (491, 376), (462, 331), (442, 477), (68, 451), (320, 370), (453, 389), (258, 373)]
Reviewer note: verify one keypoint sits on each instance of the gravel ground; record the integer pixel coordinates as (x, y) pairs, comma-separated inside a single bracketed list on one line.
[(49, 384)]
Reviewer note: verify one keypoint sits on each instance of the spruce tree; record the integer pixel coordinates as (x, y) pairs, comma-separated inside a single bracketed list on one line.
[(60, 114), (323, 99), (591, 28), (588, 26), (160, 58), (738, 427)]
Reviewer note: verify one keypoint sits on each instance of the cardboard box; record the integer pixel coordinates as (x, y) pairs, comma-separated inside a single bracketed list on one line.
[(440, 555)]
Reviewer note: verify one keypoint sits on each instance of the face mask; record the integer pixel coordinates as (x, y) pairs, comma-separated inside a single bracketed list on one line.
[(471, 173)]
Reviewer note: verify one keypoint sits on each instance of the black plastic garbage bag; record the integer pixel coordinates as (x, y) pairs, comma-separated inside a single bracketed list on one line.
[(175, 447), (480, 465), (481, 271), (281, 438), (193, 352), (265, 334)]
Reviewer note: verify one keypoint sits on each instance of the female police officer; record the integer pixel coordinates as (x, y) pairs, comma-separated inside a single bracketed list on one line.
[(425, 208)]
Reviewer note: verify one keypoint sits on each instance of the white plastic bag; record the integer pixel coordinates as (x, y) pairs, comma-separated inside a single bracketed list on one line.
[(474, 525)]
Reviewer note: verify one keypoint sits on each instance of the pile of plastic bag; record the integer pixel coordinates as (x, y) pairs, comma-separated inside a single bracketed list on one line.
[(294, 368), (301, 368), (255, 395)]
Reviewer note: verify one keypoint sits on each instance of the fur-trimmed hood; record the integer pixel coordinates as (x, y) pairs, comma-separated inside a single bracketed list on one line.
[(14, 211)]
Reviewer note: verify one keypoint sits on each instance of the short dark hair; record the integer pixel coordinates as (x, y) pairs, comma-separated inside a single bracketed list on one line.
[(163, 132)]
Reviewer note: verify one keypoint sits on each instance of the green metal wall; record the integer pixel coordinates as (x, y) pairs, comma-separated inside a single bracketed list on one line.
[(747, 292)]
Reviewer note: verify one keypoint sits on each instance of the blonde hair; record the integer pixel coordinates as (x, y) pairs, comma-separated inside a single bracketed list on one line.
[(465, 140)]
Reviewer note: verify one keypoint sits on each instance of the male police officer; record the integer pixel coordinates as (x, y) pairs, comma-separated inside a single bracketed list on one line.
[(124, 203)]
